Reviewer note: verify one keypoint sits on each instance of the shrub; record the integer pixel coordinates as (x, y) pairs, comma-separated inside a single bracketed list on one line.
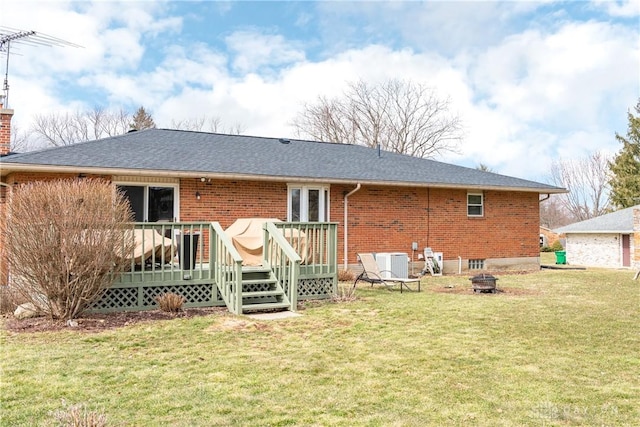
[(170, 302), (9, 300), (346, 291), (79, 416), (556, 246), (346, 276), (65, 241)]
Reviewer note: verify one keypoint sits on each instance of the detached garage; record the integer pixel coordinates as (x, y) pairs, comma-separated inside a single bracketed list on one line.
[(611, 240)]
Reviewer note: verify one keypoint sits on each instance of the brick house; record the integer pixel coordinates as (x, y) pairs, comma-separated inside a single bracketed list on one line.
[(382, 201), (611, 240)]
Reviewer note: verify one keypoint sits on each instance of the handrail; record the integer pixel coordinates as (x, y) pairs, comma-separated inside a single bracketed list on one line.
[(316, 243), (283, 260), (227, 265)]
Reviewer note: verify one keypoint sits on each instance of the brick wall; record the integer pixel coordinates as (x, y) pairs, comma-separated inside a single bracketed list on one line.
[(594, 249), (225, 201), (5, 130), (381, 219)]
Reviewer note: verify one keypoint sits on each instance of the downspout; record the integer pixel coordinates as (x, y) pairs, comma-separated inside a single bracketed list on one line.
[(546, 198), (346, 225)]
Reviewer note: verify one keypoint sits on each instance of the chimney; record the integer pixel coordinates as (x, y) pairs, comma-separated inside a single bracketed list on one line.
[(5, 130)]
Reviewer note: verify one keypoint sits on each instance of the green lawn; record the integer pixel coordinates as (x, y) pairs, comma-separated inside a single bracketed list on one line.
[(557, 348)]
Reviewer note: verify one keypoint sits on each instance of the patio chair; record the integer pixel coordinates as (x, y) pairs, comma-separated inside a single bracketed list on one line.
[(372, 274), (431, 264)]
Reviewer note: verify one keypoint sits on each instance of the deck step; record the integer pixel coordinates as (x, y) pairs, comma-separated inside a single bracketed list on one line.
[(274, 292), (256, 269), (269, 306), (266, 281)]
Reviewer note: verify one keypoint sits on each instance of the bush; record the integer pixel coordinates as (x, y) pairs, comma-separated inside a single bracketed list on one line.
[(346, 276), (65, 241), (9, 300), (170, 302), (346, 291), (555, 247)]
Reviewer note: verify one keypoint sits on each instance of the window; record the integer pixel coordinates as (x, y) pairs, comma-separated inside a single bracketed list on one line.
[(475, 206), (476, 264), (308, 203), (152, 202)]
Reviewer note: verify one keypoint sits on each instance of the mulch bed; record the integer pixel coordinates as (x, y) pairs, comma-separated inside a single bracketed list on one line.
[(104, 321)]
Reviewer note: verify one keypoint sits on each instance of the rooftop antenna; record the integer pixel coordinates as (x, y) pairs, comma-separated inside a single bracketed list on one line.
[(11, 36)]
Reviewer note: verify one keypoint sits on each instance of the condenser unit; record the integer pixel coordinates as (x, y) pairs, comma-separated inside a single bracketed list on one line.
[(393, 264)]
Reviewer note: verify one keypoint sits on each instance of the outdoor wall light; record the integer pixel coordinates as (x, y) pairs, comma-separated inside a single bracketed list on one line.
[(197, 195)]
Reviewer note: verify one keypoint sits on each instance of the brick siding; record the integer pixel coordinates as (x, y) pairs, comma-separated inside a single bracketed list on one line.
[(5, 130), (381, 218)]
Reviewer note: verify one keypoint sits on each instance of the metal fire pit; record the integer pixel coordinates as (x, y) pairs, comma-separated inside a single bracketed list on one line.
[(483, 283)]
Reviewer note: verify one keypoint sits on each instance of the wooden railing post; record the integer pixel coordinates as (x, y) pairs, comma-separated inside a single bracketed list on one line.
[(228, 269), (283, 260)]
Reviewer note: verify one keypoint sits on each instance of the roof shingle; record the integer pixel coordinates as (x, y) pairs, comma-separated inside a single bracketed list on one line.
[(174, 151)]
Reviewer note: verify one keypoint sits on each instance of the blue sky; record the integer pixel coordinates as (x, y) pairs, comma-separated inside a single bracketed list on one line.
[(532, 82)]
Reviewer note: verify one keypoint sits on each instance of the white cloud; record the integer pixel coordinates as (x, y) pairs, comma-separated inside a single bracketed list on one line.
[(253, 50), (571, 83), (620, 8)]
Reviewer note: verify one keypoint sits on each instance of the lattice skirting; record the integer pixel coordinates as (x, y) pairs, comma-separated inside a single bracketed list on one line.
[(142, 297), (315, 288), (137, 298)]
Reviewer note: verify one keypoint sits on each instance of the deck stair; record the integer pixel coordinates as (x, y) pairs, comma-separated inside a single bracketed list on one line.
[(261, 291)]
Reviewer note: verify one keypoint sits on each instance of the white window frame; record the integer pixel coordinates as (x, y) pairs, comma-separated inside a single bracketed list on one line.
[(481, 205), (323, 202), (146, 185)]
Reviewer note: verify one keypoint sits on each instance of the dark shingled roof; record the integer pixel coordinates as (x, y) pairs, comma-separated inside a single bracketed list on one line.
[(180, 152)]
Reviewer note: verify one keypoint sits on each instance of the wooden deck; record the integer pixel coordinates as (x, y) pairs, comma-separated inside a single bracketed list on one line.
[(215, 273)]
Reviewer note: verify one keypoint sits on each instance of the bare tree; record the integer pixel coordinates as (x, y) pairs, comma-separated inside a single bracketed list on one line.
[(587, 181), (108, 123), (69, 128), (398, 115), (553, 214), (206, 124), (65, 241), (20, 140)]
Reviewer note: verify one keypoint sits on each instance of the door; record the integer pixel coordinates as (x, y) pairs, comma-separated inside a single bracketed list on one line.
[(626, 250), (151, 203)]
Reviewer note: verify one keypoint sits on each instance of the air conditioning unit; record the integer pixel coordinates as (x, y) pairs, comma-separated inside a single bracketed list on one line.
[(393, 264)]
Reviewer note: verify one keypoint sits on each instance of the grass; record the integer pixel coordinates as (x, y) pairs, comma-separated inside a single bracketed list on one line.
[(558, 348)]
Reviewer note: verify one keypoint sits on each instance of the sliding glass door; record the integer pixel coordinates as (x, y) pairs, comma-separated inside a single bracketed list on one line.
[(152, 203)]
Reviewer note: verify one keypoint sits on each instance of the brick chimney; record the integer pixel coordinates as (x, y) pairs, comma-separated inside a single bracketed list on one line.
[(5, 130)]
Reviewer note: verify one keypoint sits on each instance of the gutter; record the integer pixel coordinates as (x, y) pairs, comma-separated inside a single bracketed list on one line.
[(346, 225)]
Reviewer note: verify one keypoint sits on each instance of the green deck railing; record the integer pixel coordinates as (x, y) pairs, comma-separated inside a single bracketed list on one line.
[(227, 265), (198, 260), (280, 256), (317, 247)]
